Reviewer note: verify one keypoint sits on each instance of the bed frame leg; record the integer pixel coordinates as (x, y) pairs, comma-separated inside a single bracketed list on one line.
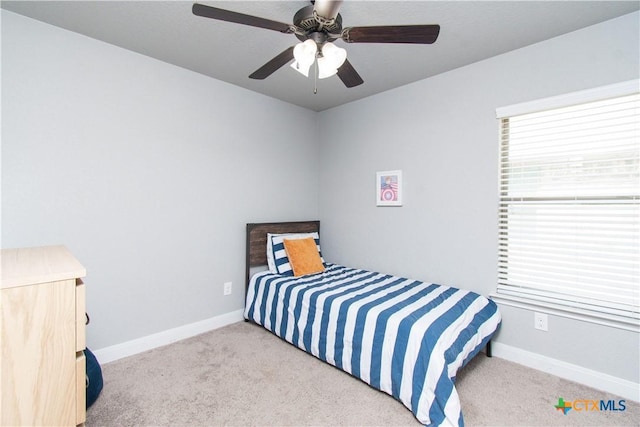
[(488, 350)]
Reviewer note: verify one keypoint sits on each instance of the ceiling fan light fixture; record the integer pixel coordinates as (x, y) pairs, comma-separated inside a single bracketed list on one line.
[(325, 68), (334, 54), (332, 58), (305, 52), (304, 70)]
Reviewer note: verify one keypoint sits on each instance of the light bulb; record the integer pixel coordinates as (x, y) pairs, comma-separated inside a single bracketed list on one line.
[(336, 55), (325, 68), (304, 54), (301, 69), (332, 58)]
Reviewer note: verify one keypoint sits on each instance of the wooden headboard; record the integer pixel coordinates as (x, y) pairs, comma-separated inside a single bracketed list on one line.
[(257, 239)]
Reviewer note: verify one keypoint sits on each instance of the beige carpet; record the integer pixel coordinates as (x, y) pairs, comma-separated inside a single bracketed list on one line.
[(243, 375)]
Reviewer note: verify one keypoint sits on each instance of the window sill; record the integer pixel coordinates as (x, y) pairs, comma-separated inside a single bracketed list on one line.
[(568, 312)]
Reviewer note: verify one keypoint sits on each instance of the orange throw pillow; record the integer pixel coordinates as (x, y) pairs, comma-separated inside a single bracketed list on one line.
[(303, 256)]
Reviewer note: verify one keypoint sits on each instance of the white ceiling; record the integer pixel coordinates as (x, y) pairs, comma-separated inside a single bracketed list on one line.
[(470, 31)]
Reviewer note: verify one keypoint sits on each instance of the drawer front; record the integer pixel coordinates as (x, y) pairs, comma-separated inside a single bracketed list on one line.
[(38, 357), (81, 388), (81, 341)]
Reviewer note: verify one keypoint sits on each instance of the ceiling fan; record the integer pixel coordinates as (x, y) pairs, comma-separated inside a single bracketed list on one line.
[(317, 26)]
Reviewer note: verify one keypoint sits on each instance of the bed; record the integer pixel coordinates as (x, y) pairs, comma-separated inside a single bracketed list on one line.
[(404, 337)]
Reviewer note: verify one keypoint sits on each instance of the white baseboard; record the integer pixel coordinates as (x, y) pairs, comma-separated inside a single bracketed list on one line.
[(149, 342), (608, 383), (598, 380)]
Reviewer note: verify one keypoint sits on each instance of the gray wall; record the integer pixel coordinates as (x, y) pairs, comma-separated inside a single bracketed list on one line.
[(146, 171), (443, 134)]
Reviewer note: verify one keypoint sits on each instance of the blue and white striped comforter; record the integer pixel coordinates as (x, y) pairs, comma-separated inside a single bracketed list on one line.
[(404, 337)]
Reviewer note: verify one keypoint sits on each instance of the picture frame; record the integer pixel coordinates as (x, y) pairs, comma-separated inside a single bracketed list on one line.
[(389, 188)]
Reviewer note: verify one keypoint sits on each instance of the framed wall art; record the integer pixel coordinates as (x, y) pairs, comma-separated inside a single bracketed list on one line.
[(389, 188)]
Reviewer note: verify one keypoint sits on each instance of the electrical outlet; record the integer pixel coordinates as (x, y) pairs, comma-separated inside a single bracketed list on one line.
[(541, 321), (228, 287)]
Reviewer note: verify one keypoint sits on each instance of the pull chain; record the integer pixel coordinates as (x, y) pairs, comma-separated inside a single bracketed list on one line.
[(315, 78)]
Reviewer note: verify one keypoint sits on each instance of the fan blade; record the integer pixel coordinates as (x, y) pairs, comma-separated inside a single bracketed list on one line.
[(421, 34), (270, 67), (349, 75), (327, 9), (239, 18)]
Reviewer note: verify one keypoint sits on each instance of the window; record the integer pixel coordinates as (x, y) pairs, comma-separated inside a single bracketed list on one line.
[(569, 209)]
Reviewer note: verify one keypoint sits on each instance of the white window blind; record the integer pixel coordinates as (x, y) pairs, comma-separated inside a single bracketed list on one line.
[(569, 210)]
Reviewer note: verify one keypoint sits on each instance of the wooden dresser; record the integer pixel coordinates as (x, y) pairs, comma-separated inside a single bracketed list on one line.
[(42, 325)]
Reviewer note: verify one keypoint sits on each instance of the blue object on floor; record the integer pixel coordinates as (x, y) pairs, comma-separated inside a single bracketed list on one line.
[(94, 377)]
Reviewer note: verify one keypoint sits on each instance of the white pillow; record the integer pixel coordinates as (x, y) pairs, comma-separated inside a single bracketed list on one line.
[(277, 259)]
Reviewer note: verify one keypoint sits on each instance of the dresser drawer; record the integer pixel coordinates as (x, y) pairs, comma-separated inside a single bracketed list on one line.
[(81, 388), (81, 342), (38, 354), (81, 363)]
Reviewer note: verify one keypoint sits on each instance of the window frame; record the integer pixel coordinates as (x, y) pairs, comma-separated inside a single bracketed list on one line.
[(567, 100)]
